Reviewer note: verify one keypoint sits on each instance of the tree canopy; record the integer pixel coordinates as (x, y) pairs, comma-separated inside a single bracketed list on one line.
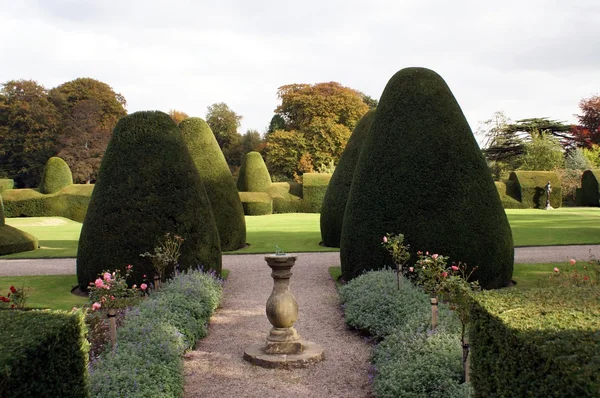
[(587, 133)]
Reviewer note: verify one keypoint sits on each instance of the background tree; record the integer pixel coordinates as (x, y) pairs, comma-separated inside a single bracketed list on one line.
[(324, 114), (542, 152), (89, 110), (283, 152), (28, 128), (587, 133), (252, 141), (224, 122), (277, 123), (177, 116)]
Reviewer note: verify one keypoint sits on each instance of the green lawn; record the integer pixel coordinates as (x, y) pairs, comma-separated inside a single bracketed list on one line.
[(299, 232), (45, 291)]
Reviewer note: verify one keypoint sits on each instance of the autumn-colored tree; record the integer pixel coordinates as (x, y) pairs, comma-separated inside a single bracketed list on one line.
[(283, 152), (587, 133), (325, 113), (90, 110), (177, 116), (28, 128)]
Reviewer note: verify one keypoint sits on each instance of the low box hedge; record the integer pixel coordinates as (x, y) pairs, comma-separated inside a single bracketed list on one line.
[(6, 183), (530, 188), (256, 203), (13, 240), (540, 342), (314, 187), (43, 354)]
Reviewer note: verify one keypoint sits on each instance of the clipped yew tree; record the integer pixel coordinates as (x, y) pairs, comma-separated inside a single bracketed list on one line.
[(219, 183), (56, 176), (334, 202), (147, 186), (253, 175), (421, 174)]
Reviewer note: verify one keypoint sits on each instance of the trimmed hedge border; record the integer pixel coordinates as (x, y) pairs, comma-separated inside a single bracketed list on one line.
[(506, 191), (589, 195), (540, 342), (6, 183), (256, 203), (147, 362), (43, 354), (530, 188), (313, 191)]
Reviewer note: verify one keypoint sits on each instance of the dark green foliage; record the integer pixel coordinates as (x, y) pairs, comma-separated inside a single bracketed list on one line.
[(334, 202), (70, 202), (148, 185), (43, 354), (506, 191), (6, 183), (590, 191), (147, 360), (56, 176), (422, 174), (540, 342), (217, 179), (253, 175), (256, 203), (314, 186), (530, 188)]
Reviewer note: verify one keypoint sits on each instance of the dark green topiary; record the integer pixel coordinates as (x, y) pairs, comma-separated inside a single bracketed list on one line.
[(334, 202), (253, 175), (314, 186), (421, 174), (530, 188), (147, 186), (590, 191), (217, 179), (506, 193), (56, 176), (256, 203), (13, 240)]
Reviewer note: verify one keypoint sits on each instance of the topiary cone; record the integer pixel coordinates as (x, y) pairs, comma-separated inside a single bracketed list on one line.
[(147, 186), (421, 174), (56, 176), (253, 175), (217, 179), (334, 202)]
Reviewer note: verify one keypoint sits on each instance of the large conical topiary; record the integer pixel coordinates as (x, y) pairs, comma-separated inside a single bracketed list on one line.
[(334, 202), (56, 176), (219, 183), (253, 175), (421, 174), (147, 186), (13, 240)]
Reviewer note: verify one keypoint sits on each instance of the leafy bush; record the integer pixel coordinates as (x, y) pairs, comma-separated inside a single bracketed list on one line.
[(256, 203), (543, 152), (253, 175), (147, 186), (590, 189), (569, 182), (517, 334), (147, 358), (43, 354), (334, 201), (531, 188), (422, 174), (217, 179), (56, 176), (576, 160)]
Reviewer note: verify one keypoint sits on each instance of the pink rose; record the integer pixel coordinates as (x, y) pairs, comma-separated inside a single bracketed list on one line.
[(572, 261), (444, 274), (99, 284), (427, 253), (96, 306), (129, 266), (556, 269), (143, 286), (411, 269), (134, 286), (385, 239), (454, 268), (112, 297), (434, 256), (106, 276), (419, 253)]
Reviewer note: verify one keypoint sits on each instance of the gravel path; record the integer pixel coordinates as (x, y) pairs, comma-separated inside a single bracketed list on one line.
[(216, 367)]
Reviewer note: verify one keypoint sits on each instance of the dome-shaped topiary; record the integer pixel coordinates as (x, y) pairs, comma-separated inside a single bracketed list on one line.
[(334, 202), (56, 176), (13, 240), (219, 183), (147, 186), (253, 175), (421, 174)]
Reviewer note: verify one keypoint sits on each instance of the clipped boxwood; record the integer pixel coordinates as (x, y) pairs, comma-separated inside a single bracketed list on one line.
[(43, 354), (6, 183), (422, 174), (287, 197), (530, 188), (56, 176), (253, 175), (13, 240), (147, 186), (505, 191), (70, 202), (540, 342), (256, 203), (589, 195), (334, 202), (314, 187), (220, 186)]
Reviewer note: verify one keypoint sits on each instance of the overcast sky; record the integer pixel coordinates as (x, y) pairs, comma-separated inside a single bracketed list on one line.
[(527, 58)]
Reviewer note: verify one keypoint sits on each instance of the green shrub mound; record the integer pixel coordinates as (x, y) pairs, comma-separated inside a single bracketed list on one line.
[(506, 191), (256, 203), (70, 202), (530, 188), (147, 186), (590, 190), (13, 240), (518, 335), (56, 176), (6, 183), (422, 174), (43, 354), (334, 202), (147, 362), (217, 179), (287, 197), (314, 186), (253, 175)]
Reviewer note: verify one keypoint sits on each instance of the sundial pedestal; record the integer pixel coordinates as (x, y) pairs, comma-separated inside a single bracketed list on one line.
[(283, 348)]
